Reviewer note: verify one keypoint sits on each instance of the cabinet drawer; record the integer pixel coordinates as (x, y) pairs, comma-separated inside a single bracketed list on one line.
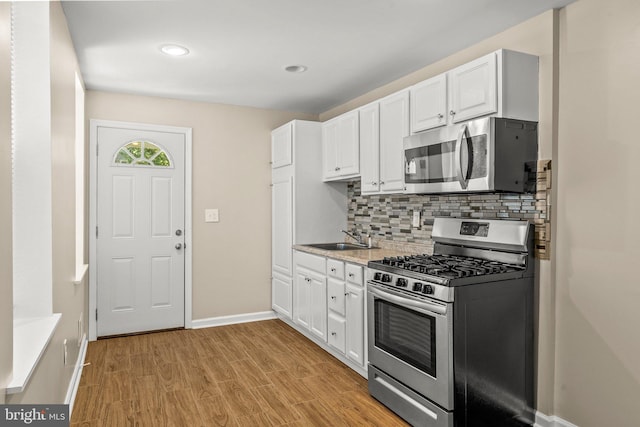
[(354, 274), (311, 262), (336, 337), (335, 296), (335, 269)]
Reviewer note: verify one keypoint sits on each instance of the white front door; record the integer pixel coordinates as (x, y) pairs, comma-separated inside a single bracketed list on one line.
[(140, 230)]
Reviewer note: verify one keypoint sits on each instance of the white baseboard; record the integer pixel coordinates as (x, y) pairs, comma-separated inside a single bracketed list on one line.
[(77, 373), (231, 320), (543, 420)]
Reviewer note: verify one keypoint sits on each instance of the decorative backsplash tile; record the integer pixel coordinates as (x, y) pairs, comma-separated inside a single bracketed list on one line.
[(388, 217)]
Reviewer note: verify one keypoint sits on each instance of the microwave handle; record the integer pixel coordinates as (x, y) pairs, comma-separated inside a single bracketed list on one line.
[(463, 135)]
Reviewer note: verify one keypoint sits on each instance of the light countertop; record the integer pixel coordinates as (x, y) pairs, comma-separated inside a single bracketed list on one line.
[(363, 256)]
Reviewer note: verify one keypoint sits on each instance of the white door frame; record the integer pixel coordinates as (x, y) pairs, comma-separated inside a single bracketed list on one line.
[(93, 185)]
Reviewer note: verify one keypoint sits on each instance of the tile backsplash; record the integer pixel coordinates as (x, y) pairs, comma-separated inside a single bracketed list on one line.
[(389, 217)]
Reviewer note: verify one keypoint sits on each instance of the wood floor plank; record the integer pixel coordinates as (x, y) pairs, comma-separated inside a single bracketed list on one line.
[(239, 400), (254, 374), (179, 408), (215, 411), (249, 374)]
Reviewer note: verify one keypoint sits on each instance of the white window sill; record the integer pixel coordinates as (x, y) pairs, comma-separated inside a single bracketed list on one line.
[(30, 339), (81, 274)]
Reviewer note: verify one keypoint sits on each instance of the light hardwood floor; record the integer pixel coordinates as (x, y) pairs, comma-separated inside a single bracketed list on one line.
[(251, 374)]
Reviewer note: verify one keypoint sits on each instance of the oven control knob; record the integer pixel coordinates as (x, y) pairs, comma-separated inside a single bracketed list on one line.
[(402, 283), (417, 286), (377, 276), (386, 278), (427, 289)]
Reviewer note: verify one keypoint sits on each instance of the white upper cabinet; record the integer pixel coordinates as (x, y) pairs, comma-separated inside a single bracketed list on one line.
[(282, 146), (341, 147), (474, 89), (503, 83), (429, 104), (394, 126), (370, 148), (383, 126)]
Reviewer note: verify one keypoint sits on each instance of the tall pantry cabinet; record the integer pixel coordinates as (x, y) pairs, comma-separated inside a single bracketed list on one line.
[(303, 208)]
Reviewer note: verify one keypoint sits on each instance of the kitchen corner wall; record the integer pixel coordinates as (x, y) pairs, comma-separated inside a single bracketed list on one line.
[(597, 381), (50, 381), (231, 172), (6, 260)]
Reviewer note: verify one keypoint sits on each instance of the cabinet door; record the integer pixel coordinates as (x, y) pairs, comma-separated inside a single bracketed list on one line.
[(281, 295), (301, 290), (336, 327), (474, 89), (370, 148), (336, 297), (394, 126), (330, 168), (348, 144), (318, 306), (282, 221), (355, 323), (282, 146), (429, 104)]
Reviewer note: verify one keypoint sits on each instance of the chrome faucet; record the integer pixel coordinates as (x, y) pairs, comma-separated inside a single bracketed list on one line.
[(355, 235)]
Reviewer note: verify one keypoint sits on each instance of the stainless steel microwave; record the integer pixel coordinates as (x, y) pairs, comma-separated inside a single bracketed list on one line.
[(484, 155)]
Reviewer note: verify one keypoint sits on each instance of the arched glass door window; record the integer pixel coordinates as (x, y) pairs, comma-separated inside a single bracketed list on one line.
[(142, 153)]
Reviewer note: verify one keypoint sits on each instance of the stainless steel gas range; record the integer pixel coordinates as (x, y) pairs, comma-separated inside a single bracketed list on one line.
[(451, 334)]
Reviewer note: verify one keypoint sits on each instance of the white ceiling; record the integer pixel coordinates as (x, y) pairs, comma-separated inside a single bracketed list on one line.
[(239, 48)]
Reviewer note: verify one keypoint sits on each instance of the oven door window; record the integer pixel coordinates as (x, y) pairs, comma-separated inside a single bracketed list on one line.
[(406, 334), (437, 163)]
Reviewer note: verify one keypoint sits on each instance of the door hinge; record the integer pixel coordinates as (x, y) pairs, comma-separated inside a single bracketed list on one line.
[(96, 314), (97, 149), (96, 231)]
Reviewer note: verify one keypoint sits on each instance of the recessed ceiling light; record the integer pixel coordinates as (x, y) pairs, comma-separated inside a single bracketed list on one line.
[(296, 68), (174, 50)]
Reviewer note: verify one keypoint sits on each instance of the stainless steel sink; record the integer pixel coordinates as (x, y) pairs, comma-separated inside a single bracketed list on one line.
[(337, 246)]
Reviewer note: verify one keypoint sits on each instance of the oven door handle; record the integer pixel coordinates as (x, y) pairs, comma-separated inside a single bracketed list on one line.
[(462, 175), (425, 306)]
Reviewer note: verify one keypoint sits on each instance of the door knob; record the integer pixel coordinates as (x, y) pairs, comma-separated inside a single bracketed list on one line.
[(178, 232), (178, 245)]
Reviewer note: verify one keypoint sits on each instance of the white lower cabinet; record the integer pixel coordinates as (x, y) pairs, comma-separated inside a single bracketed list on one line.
[(281, 294), (355, 323), (337, 332), (329, 306), (310, 294), (346, 312)]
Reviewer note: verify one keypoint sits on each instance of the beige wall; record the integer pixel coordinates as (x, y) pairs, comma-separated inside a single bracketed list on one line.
[(598, 296), (51, 379), (535, 36), (231, 172), (6, 264)]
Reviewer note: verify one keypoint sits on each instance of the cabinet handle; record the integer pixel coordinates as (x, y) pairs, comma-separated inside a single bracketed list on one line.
[(351, 275), (337, 168), (333, 297), (346, 294), (333, 334), (333, 270), (440, 116), (452, 113), (307, 279), (374, 183), (381, 182)]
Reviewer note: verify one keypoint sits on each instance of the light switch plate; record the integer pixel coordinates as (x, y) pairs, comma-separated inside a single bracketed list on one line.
[(416, 219), (211, 215)]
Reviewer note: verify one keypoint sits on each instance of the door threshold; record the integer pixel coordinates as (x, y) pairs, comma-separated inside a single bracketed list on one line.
[(132, 334)]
